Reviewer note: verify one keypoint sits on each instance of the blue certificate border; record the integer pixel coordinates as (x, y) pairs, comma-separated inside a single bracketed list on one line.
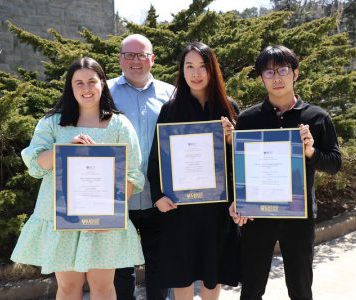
[(89, 222), (297, 208), (196, 196)]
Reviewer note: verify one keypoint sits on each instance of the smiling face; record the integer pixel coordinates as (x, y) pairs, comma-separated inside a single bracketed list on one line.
[(195, 73), (87, 88), (137, 71)]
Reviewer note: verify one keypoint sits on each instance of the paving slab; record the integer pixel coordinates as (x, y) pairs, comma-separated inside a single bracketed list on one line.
[(334, 270), (334, 274)]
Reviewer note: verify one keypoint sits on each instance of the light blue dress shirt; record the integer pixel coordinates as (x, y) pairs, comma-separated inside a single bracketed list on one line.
[(142, 107)]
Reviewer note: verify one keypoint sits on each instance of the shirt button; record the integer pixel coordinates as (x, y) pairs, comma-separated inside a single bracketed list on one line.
[(282, 117)]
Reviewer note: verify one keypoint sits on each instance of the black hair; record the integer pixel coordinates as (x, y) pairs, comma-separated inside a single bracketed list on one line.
[(278, 55), (68, 106), (217, 101)]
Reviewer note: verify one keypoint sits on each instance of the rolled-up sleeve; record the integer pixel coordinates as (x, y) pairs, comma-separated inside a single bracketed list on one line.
[(42, 140), (127, 134)]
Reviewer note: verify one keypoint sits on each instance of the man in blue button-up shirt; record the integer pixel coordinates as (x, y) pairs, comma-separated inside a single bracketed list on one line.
[(140, 97)]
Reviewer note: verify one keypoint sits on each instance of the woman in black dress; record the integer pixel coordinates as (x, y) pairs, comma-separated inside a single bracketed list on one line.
[(200, 241)]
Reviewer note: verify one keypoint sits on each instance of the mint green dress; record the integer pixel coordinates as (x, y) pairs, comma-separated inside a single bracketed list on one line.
[(58, 251)]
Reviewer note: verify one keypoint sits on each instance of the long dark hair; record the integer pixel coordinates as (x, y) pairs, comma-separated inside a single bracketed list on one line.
[(217, 101), (68, 106)]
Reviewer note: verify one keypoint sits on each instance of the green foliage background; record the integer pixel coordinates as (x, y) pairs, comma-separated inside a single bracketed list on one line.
[(327, 78)]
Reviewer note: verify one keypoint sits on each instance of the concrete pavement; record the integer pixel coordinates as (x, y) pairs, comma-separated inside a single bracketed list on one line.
[(334, 274), (334, 270)]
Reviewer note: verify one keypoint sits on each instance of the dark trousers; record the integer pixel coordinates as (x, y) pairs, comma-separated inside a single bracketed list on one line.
[(296, 240), (147, 223)]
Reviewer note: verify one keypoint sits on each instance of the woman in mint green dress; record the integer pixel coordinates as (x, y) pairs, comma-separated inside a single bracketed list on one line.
[(85, 114)]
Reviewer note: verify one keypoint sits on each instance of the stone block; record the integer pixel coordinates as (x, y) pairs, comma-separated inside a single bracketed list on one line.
[(66, 16)]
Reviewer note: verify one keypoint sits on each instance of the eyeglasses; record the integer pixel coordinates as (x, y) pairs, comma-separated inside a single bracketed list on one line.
[(131, 55), (282, 71)]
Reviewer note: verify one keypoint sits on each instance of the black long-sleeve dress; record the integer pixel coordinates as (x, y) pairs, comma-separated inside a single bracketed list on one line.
[(200, 241)]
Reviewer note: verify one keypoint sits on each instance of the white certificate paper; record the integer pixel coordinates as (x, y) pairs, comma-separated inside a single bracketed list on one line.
[(268, 173), (90, 185), (193, 163)]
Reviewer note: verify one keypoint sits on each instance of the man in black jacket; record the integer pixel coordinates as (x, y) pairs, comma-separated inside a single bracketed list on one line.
[(278, 68)]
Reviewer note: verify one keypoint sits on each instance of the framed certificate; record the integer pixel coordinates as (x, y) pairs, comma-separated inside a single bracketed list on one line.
[(90, 187), (269, 173), (192, 162)]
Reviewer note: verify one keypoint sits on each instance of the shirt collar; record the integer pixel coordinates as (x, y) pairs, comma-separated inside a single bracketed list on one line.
[(122, 80), (267, 105)]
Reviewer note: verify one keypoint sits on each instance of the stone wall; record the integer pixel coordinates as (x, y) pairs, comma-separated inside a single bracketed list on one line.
[(36, 16)]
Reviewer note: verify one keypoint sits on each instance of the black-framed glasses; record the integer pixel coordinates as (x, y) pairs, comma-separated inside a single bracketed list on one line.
[(140, 56), (282, 71)]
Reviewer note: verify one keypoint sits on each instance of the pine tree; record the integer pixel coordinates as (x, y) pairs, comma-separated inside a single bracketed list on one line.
[(151, 19), (348, 20)]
